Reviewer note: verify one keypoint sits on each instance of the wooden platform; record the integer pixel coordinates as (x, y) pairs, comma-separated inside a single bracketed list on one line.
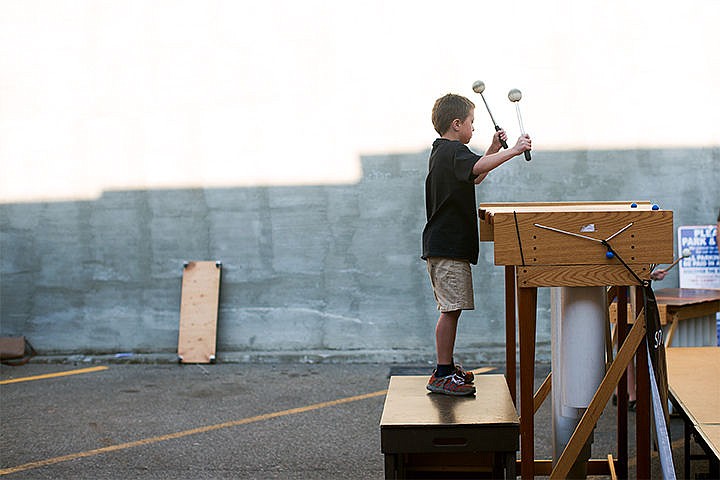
[(427, 435), (694, 384)]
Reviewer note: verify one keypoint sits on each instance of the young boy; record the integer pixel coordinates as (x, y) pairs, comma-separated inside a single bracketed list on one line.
[(450, 238)]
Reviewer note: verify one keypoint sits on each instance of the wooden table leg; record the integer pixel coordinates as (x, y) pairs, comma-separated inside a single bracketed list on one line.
[(622, 394), (527, 312), (510, 346)]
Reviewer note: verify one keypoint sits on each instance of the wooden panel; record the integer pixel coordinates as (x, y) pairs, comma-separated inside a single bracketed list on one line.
[(695, 311), (648, 240), (486, 231), (198, 312), (662, 310), (681, 304), (580, 275), (711, 435), (489, 209), (686, 296), (408, 404), (694, 381)]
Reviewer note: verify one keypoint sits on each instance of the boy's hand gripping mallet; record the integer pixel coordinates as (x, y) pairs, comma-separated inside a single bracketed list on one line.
[(515, 95), (479, 87)]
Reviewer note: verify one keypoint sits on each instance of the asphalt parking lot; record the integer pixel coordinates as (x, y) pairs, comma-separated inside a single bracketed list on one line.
[(223, 421)]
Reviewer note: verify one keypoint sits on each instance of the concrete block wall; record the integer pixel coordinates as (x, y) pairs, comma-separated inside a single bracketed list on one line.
[(310, 273)]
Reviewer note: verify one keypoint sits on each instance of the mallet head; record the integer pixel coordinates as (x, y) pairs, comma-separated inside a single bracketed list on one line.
[(514, 95), (686, 253), (478, 86)]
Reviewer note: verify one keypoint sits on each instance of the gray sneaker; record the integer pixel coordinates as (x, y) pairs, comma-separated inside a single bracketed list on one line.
[(453, 384)]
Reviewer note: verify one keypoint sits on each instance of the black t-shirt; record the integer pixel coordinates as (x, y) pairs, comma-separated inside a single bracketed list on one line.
[(451, 230)]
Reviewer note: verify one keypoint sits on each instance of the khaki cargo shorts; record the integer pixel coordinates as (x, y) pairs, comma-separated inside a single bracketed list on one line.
[(452, 283)]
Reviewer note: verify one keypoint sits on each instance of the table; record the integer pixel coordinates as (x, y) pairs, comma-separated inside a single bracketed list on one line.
[(694, 384), (681, 304)]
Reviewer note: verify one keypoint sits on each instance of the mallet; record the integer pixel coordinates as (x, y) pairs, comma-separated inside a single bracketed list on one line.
[(685, 253), (515, 95), (479, 87)]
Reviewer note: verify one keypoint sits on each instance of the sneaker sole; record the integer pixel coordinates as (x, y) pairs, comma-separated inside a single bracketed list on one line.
[(448, 392)]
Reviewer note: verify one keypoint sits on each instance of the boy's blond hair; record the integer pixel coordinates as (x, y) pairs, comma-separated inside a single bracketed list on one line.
[(447, 109)]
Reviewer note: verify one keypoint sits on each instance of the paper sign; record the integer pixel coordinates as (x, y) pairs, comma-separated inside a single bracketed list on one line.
[(702, 268)]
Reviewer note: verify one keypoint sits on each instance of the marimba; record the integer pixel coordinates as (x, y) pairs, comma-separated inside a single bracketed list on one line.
[(577, 244)]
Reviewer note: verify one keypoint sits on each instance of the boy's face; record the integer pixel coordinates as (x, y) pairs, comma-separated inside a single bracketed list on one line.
[(466, 127)]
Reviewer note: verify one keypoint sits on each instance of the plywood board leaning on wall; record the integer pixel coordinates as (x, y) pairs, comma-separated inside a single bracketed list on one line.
[(197, 337)]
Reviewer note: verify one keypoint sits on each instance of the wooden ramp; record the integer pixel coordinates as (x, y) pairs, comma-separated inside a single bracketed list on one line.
[(198, 312)]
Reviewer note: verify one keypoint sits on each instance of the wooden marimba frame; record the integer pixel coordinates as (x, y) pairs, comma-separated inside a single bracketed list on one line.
[(578, 244)]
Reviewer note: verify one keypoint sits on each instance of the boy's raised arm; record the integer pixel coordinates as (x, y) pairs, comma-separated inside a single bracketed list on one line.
[(487, 163)]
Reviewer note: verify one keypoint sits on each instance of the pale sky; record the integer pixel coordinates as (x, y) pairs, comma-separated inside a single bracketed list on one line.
[(106, 95)]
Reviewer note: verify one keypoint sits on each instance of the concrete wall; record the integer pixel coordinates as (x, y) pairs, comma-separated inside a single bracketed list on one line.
[(327, 272)]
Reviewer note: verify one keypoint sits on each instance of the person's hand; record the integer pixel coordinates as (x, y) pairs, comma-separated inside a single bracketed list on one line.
[(658, 274), (496, 144), (523, 144)]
